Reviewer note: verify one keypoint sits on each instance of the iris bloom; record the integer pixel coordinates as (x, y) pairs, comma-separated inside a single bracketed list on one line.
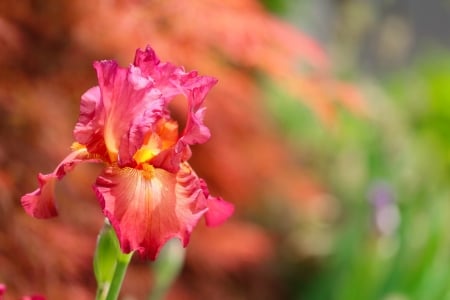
[(147, 190)]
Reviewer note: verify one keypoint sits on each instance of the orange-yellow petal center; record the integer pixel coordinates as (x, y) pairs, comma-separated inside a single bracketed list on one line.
[(164, 137)]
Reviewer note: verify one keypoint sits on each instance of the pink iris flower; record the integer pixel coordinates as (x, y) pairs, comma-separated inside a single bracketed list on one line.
[(147, 190)]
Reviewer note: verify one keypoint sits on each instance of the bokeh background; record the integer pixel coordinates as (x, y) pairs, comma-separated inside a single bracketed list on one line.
[(331, 135)]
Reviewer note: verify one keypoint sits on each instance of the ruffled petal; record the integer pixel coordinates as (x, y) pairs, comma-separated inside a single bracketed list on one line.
[(195, 131), (170, 159), (116, 116), (89, 129), (148, 207), (41, 202), (172, 81), (219, 210), (132, 105), (166, 77)]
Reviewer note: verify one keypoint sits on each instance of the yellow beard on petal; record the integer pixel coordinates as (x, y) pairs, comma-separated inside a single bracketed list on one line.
[(148, 171), (145, 154), (164, 137), (84, 153), (77, 146)]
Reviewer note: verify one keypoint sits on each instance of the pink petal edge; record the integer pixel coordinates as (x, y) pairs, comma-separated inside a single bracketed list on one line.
[(41, 202), (172, 80), (218, 212)]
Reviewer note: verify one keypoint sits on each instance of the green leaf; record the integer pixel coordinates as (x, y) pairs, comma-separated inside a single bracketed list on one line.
[(105, 257)]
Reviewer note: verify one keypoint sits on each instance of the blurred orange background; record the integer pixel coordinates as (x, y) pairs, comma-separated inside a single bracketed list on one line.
[(46, 54)]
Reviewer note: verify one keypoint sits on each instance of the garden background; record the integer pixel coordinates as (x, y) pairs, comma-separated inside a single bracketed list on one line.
[(330, 133)]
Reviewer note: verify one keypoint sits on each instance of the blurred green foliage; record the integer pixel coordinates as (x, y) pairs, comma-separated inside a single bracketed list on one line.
[(276, 6), (397, 247)]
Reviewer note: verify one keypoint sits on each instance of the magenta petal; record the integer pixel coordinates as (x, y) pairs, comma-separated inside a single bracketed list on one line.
[(171, 81), (132, 105), (166, 77), (33, 297), (41, 202), (2, 290), (139, 126), (146, 60), (116, 116), (89, 128), (195, 131), (219, 210), (146, 210)]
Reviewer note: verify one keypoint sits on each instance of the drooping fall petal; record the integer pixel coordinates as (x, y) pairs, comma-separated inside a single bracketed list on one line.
[(219, 210), (149, 207), (41, 202), (131, 107)]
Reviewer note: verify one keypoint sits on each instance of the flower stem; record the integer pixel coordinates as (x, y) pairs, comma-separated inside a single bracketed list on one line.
[(110, 264), (119, 274)]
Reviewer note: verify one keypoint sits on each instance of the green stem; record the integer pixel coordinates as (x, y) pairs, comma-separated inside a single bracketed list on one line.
[(110, 264), (119, 274)]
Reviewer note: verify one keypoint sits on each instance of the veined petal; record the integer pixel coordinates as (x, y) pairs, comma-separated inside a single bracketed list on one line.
[(41, 202), (150, 206)]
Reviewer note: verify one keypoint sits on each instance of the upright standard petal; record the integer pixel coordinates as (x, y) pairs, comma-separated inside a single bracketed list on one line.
[(132, 105), (116, 116), (88, 130), (150, 206), (171, 81), (41, 202)]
